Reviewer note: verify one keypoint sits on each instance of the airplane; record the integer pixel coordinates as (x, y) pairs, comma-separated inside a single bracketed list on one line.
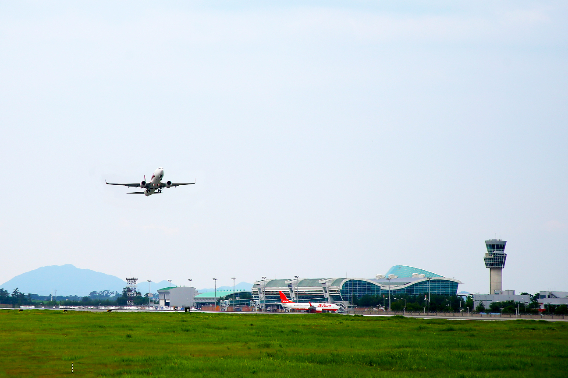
[(317, 307), (154, 186)]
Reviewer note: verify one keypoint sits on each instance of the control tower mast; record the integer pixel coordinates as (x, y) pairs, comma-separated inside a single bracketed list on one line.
[(130, 291), (495, 261)]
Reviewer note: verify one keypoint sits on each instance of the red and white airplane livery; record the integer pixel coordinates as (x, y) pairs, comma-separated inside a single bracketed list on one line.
[(155, 185), (318, 307)]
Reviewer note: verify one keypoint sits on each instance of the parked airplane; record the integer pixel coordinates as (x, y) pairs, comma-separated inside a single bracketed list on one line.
[(317, 307), (154, 186)]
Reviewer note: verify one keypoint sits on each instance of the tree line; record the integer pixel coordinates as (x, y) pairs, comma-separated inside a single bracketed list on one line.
[(17, 298), (436, 302), (454, 303), (95, 298), (511, 307)]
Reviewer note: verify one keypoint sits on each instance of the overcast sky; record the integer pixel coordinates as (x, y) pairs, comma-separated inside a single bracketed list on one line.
[(327, 138)]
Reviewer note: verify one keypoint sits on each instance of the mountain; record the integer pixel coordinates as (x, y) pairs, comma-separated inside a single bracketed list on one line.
[(70, 280), (66, 279)]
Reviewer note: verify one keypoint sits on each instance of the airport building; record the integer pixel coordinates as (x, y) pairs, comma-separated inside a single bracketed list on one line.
[(177, 296), (211, 297), (499, 296), (553, 298), (399, 280)]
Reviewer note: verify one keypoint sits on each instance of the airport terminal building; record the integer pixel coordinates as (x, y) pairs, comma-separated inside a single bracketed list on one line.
[(399, 280)]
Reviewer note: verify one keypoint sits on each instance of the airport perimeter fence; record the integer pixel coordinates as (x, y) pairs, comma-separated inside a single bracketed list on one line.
[(463, 314)]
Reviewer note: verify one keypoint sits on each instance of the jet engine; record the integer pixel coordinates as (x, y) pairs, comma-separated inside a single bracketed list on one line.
[(168, 184), (143, 184)]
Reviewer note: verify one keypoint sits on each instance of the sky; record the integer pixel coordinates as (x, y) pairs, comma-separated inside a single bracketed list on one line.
[(327, 138)]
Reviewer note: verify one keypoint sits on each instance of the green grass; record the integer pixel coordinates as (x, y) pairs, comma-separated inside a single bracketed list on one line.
[(44, 343)]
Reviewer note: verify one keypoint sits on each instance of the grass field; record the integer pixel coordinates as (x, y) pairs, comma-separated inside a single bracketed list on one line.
[(45, 343)]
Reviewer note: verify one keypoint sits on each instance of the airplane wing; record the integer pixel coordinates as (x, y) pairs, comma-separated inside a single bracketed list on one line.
[(174, 184), (133, 185)]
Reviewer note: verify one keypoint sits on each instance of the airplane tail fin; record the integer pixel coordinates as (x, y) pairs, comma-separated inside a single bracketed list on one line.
[(283, 298)]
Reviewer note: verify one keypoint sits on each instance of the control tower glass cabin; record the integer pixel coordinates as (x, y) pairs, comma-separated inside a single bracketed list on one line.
[(495, 262)]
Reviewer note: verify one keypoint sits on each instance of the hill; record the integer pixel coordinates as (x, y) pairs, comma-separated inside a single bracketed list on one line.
[(66, 279), (70, 280)]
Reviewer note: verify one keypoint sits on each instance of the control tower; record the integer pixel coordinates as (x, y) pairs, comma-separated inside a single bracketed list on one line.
[(495, 261), (130, 291)]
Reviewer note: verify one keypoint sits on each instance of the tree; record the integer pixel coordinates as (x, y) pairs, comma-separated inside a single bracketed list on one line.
[(4, 296), (469, 302), (480, 307)]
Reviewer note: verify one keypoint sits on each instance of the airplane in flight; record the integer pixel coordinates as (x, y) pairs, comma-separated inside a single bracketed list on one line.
[(317, 307), (154, 186)]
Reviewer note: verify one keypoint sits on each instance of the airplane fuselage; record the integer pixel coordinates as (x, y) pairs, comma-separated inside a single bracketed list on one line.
[(154, 183), (318, 307)]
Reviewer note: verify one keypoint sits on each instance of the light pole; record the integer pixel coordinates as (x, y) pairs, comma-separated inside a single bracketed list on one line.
[(215, 279), (380, 277), (263, 302), (149, 291), (390, 277), (428, 278), (297, 280), (404, 309), (191, 295), (233, 278)]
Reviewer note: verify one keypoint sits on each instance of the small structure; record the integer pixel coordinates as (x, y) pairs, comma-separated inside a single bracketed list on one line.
[(130, 291), (501, 296), (208, 299), (177, 297), (553, 298)]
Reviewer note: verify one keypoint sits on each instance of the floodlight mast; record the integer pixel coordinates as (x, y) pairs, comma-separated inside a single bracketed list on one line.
[(149, 292), (193, 295), (215, 279), (380, 277), (233, 278), (297, 280), (390, 277), (263, 301)]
